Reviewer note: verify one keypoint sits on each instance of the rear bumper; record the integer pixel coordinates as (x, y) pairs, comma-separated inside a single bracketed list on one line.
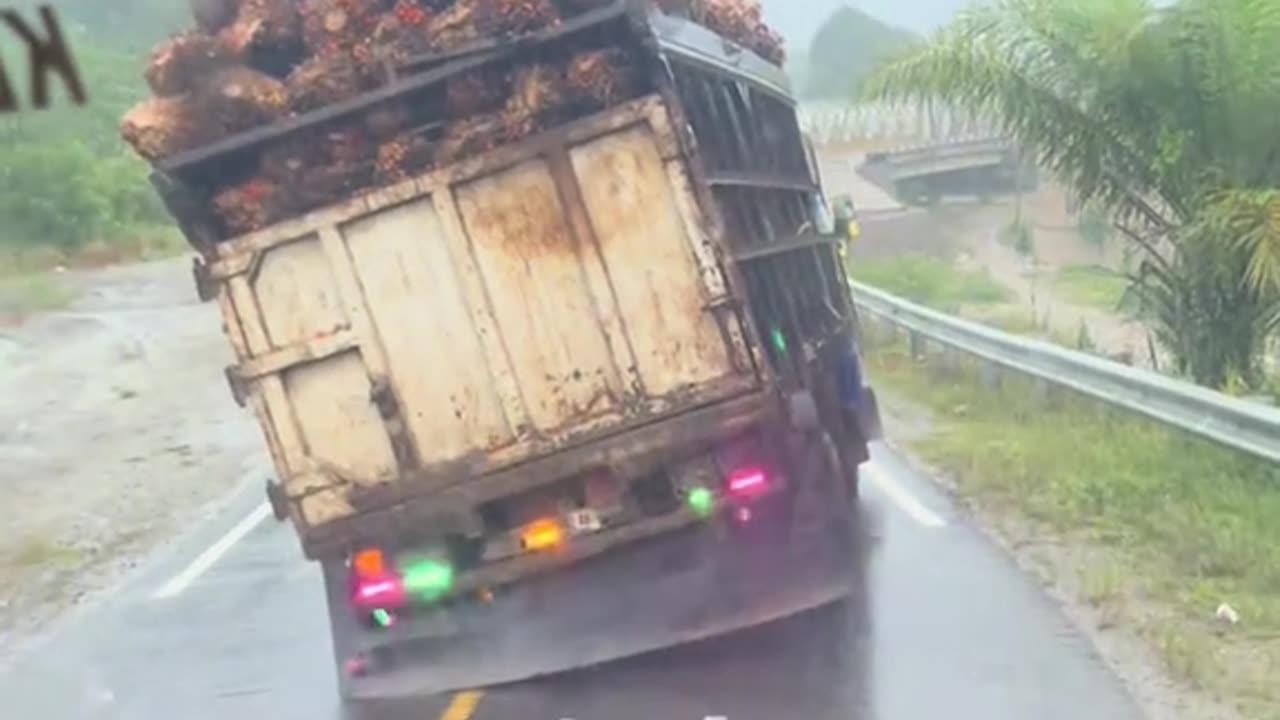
[(688, 585)]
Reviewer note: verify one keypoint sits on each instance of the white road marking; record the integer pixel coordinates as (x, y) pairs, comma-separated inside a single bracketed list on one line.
[(210, 556), (899, 496)]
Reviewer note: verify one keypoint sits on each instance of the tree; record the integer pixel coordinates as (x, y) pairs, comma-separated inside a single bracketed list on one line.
[(848, 46), (1162, 116), (66, 178)]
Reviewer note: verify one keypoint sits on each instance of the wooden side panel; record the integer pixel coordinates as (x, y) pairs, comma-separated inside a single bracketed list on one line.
[(534, 281), (424, 324), (297, 294), (507, 306), (651, 262), (343, 432)]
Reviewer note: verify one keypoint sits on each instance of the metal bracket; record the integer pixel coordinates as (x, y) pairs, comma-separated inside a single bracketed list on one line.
[(206, 288), (239, 388), (382, 396)]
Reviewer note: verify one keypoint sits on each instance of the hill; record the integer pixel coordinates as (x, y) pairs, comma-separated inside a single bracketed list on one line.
[(847, 46), (799, 21)]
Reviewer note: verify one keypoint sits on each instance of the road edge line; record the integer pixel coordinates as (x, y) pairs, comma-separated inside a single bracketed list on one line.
[(901, 497), (207, 559)]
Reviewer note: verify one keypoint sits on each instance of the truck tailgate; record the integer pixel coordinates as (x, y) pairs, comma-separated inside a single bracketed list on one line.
[(494, 310)]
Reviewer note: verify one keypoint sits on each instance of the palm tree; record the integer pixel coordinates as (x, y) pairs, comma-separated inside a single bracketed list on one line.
[(1163, 116)]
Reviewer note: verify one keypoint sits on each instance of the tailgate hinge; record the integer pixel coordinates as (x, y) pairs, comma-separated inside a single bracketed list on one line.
[(239, 388), (206, 288)]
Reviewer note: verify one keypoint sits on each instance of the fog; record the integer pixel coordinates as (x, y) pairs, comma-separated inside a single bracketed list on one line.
[(798, 20)]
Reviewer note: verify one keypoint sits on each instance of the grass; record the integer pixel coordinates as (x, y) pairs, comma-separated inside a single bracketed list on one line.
[(22, 296), (1091, 285), (929, 281), (141, 244), (34, 553), (1183, 524), (28, 286)]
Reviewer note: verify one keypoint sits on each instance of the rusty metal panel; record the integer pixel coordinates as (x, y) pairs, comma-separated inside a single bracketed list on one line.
[(423, 322), (652, 262), (532, 273), (343, 433), (458, 326), (296, 294)]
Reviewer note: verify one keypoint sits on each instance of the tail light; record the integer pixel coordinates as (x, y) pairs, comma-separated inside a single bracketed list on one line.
[(542, 535), (379, 593), (379, 586), (748, 482)]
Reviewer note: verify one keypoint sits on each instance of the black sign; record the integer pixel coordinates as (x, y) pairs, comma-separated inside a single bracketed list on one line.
[(49, 57)]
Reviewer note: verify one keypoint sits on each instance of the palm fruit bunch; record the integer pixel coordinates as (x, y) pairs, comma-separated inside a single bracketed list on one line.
[(250, 205), (601, 79), (511, 18), (537, 99), (743, 22), (331, 26), (471, 136), (476, 92), (163, 126), (249, 63), (402, 157), (237, 99)]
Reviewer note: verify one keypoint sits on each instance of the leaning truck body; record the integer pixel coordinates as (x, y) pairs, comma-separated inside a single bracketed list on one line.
[(567, 400)]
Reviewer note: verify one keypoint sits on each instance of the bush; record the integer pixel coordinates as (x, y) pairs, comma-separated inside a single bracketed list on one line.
[(65, 195), (1020, 237), (929, 282), (66, 180)]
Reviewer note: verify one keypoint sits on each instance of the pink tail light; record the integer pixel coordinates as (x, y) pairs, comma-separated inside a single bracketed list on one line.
[(380, 593), (749, 481)]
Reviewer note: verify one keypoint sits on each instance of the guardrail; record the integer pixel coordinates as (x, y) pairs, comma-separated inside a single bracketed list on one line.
[(1239, 424)]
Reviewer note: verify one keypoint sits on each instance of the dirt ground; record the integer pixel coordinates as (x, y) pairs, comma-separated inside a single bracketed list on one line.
[(116, 432), (1057, 246)]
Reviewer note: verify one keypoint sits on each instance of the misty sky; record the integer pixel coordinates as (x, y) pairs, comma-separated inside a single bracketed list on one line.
[(798, 20)]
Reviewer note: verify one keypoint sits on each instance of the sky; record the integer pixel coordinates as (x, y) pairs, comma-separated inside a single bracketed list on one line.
[(798, 20)]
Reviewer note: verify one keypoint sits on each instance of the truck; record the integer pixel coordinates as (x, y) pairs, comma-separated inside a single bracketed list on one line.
[(564, 400)]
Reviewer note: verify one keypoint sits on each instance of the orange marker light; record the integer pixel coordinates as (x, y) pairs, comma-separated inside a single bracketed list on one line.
[(369, 563), (542, 535)]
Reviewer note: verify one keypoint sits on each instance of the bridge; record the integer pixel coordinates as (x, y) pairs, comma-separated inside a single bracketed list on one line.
[(981, 165), (915, 154)]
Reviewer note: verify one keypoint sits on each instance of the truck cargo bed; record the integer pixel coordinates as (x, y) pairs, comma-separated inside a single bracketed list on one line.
[(491, 312)]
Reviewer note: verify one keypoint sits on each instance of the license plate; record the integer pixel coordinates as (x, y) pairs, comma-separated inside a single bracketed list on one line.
[(581, 521)]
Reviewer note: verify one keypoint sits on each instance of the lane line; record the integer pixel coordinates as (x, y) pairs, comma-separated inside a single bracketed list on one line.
[(463, 705), (901, 497), (210, 556)]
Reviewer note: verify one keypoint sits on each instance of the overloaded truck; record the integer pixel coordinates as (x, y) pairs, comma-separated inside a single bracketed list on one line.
[(553, 396)]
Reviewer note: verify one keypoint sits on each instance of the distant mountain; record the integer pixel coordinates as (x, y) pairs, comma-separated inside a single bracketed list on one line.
[(847, 46), (799, 20)]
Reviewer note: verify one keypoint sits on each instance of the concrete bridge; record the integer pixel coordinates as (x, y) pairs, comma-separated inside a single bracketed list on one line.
[(923, 173)]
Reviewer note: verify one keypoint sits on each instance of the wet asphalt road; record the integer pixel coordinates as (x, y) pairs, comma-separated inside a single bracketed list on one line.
[(943, 626)]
